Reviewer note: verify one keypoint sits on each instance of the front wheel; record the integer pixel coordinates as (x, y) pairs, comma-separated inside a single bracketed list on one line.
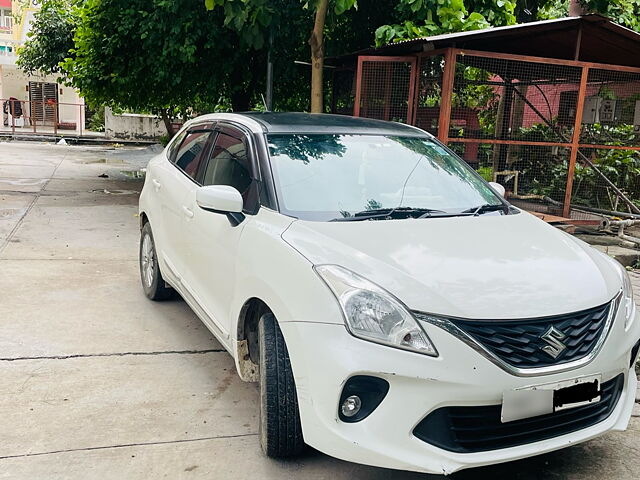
[(153, 284), (280, 429)]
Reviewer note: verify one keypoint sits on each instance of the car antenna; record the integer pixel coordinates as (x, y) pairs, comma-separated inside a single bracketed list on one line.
[(264, 102)]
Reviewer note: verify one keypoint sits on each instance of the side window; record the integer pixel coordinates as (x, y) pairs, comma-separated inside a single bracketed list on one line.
[(191, 150), (173, 147), (229, 162)]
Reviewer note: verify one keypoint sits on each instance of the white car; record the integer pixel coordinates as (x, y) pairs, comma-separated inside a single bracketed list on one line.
[(394, 308)]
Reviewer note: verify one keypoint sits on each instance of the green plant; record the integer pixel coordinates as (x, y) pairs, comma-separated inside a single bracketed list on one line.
[(423, 18), (50, 38), (164, 140), (486, 173), (96, 122)]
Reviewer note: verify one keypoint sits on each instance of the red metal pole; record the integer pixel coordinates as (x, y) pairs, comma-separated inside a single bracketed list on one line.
[(416, 91), (356, 106), (412, 89), (575, 141), (448, 76)]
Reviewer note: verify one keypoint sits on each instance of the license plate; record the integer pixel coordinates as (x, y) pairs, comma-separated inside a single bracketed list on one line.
[(553, 397)]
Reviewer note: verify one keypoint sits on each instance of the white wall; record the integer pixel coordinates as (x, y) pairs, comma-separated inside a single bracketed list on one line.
[(132, 126)]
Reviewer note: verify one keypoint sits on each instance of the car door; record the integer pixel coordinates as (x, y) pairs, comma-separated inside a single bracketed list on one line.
[(158, 173), (176, 180), (212, 239)]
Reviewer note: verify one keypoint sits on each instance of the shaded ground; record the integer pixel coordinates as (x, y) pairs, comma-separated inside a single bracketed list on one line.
[(98, 382)]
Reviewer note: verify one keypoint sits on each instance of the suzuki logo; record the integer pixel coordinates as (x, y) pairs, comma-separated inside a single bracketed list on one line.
[(553, 337)]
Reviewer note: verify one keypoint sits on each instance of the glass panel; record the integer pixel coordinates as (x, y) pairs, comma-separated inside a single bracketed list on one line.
[(228, 164), (190, 152), (321, 177)]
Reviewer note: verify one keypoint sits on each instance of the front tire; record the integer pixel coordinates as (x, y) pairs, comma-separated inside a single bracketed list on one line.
[(280, 429), (153, 284)]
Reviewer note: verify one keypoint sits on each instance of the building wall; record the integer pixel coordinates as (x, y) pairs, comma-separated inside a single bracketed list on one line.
[(15, 83)]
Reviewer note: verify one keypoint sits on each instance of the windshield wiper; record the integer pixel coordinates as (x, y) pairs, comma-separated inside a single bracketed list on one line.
[(381, 213), (487, 207)]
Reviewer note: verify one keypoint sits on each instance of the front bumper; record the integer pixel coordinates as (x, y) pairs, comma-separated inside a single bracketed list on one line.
[(324, 356)]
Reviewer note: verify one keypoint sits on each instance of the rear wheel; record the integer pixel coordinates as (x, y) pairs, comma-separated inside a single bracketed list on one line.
[(153, 284), (280, 429)]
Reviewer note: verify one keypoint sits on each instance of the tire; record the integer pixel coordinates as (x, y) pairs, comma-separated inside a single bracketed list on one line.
[(153, 284), (280, 429)]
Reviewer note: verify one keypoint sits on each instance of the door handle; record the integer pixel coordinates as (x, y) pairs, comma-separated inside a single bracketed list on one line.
[(156, 184), (188, 213)]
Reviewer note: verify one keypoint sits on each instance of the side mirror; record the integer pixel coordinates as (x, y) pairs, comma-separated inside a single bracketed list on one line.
[(498, 188), (221, 199)]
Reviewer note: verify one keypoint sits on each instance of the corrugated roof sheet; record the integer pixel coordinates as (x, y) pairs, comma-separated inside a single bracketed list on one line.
[(600, 40)]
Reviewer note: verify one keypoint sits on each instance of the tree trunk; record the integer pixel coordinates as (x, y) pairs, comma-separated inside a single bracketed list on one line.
[(167, 122), (576, 9), (316, 42)]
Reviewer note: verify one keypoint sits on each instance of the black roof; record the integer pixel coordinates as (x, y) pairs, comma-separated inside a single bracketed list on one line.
[(292, 122)]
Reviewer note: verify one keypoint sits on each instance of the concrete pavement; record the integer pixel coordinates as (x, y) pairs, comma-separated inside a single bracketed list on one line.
[(98, 382)]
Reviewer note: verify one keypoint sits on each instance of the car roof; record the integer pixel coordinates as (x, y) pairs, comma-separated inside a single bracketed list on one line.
[(295, 122)]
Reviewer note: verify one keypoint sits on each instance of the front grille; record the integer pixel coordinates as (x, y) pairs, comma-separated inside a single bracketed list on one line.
[(479, 429), (519, 343)]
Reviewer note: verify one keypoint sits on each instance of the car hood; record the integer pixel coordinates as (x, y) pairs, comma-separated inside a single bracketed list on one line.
[(484, 267)]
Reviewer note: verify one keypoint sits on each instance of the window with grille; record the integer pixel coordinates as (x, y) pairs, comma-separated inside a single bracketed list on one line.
[(6, 20)]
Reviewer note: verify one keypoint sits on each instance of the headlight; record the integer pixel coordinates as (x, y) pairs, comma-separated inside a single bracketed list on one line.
[(373, 314), (627, 305)]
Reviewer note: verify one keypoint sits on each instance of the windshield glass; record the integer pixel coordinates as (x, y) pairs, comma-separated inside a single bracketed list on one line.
[(324, 177)]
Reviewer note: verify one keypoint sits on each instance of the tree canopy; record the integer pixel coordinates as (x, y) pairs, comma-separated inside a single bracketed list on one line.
[(171, 56), (50, 39)]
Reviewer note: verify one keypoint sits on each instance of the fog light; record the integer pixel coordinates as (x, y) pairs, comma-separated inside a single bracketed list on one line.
[(360, 396), (351, 406)]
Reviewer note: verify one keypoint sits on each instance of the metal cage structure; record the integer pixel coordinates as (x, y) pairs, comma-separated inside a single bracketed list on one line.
[(561, 134)]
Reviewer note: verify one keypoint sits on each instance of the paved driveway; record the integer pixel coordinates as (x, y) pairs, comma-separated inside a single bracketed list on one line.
[(97, 382)]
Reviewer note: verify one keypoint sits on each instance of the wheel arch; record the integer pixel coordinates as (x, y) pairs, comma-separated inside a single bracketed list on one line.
[(247, 351), (143, 219)]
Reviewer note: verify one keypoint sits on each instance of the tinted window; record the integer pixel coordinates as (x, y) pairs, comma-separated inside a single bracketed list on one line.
[(172, 150), (191, 150), (229, 163)]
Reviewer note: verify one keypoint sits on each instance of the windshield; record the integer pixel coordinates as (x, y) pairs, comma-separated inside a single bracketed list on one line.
[(327, 177)]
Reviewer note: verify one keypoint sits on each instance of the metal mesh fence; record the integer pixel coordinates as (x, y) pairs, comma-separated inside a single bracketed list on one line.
[(514, 100), (612, 108), (429, 93), (601, 174), (513, 119), (385, 88), (527, 110), (535, 178)]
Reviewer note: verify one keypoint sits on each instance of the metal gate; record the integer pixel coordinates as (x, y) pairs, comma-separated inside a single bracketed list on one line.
[(44, 102)]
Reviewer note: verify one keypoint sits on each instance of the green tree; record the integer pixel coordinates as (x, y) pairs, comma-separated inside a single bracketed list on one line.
[(50, 38), (162, 56), (422, 18), (624, 12), (254, 20), (316, 41)]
